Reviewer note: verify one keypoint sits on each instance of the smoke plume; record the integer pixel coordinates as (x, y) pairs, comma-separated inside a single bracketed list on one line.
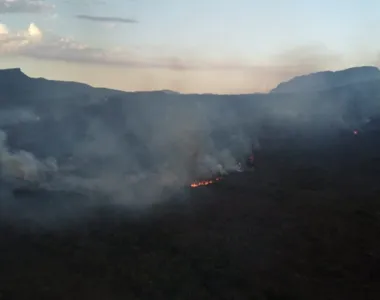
[(22, 164)]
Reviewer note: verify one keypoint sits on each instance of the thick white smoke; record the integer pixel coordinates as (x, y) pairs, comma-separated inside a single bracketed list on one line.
[(22, 164), (140, 154)]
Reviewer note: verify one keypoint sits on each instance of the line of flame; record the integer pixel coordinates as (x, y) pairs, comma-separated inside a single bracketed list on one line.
[(204, 182)]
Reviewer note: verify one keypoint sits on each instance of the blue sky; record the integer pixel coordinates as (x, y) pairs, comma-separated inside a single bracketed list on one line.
[(225, 46)]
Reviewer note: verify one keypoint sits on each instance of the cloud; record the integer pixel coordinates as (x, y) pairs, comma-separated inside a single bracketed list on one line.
[(34, 31), (24, 6), (87, 2), (3, 29), (13, 43), (106, 19), (34, 44)]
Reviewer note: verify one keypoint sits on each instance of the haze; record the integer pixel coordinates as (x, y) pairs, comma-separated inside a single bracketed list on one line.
[(223, 46)]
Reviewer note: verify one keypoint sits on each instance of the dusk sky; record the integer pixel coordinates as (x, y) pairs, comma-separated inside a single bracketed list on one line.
[(219, 46)]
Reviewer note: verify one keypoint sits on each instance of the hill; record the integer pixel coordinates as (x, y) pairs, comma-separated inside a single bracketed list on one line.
[(327, 80), (130, 131), (110, 213)]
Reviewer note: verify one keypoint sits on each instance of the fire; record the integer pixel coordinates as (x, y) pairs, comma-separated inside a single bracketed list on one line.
[(204, 182)]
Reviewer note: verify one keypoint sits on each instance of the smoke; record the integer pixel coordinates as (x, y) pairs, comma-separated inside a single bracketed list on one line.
[(22, 164), (148, 151), (133, 159), (139, 149), (15, 116)]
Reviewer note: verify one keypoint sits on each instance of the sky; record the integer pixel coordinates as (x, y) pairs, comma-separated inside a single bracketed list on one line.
[(197, 46)]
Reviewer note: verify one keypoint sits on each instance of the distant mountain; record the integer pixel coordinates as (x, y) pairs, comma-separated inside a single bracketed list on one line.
[(328, 80), (16, 88), (11, 78), (94, 131), (168, 92)]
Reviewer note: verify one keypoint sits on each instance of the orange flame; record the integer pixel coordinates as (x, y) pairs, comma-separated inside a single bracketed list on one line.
[(204, 182)]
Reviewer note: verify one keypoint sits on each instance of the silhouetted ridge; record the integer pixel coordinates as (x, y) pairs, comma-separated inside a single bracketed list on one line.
[(17, 87), (7, 75), (328, 79)]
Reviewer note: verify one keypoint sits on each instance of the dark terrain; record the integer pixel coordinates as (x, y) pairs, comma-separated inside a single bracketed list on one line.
[(304, 225)]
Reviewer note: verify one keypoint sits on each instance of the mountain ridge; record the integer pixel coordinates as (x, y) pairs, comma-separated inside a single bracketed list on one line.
[(312, 82), (14, 74), (325, 80)]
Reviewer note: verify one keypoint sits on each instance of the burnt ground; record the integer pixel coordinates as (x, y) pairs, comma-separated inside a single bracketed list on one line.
[(304, 225)]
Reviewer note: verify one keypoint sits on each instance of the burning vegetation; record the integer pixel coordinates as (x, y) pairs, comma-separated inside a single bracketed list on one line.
[(219, 176), (205, 182)]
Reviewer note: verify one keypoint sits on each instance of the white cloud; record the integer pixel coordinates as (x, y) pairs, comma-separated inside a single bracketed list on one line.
[(3, 29), (24, 6), (34, 31), (12, 43), (34, 43)]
